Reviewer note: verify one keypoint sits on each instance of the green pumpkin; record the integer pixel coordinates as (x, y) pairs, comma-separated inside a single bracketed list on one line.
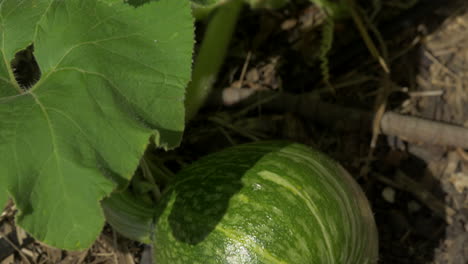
[(267, 202)]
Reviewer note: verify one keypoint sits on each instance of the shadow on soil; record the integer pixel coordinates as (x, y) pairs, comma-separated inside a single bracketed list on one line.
[(409, 235), (412, 222), (413, 228)]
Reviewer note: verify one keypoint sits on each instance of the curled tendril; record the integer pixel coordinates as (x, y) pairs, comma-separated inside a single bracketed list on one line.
[(325, 47)]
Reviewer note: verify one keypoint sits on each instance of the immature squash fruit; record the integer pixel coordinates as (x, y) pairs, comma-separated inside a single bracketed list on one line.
[(268, 202)]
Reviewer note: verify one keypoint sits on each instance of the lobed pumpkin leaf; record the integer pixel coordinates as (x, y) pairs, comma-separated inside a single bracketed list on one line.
[(112, 76)]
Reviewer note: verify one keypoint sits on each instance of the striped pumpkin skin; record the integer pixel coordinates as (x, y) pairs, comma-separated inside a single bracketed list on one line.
[(267, 202)]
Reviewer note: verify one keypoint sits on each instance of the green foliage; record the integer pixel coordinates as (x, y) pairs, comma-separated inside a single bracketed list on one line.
[(211, 55), (112, 75), (130, 215), (265, 202), (85, 85)]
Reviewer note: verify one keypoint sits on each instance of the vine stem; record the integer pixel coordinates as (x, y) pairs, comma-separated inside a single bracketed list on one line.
[(211, 55), (150, 178)]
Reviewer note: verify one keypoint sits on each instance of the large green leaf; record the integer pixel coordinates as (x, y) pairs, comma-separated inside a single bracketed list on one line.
[(113, 75)]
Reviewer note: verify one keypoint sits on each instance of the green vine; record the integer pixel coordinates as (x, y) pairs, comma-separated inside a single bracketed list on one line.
[(325, 47), (335, 10), (211, 55)]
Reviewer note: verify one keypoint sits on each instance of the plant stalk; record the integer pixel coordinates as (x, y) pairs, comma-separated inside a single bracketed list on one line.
[(211, 55)]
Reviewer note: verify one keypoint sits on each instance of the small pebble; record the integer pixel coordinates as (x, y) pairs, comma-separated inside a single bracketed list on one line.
[(388, 194), (288, 24), (233, 96)]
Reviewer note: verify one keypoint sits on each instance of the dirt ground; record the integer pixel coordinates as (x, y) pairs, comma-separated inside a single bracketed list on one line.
[(416, 181)]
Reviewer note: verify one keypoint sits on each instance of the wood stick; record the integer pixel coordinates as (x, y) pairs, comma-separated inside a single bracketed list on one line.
[(418, 130), (310, 107)]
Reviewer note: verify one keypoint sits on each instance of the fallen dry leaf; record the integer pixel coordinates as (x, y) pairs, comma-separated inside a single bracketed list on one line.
[(459, 181)]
